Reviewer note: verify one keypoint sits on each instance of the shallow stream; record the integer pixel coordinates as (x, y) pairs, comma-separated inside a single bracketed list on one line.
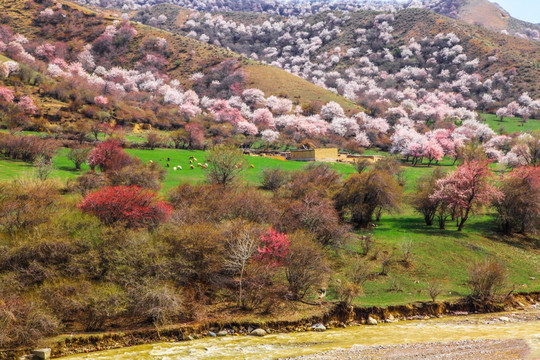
[(521, 325)]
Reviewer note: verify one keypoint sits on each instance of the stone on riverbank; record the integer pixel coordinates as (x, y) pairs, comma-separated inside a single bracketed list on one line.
[(258, 332), (41, 354), (318, 327), (371, 321)]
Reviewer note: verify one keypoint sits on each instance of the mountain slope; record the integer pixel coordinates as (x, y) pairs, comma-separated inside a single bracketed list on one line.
[(186, 56), (478, 42), (483, 13)]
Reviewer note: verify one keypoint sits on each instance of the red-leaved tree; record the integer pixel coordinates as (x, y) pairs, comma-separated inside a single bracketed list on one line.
[(132, 206), (274, 247), (109, 155), (466, 190)]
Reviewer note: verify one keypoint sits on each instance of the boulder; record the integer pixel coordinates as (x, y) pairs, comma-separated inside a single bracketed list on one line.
[(504, 318), (258, 332), (212, 334), (371, 321), (41, 354), (223, 333), (318, 327)]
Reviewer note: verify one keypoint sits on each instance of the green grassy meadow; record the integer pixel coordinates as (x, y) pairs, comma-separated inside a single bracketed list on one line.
[(64, 168), (510, 125)]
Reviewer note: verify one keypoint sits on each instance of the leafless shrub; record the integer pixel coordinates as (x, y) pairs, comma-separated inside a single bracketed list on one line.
[(406, 249), (273, 178), (158, 302), (366, 243), (360, 271), (395, 286), (43, 167), (348, 291), (434, 289), (386, 261), (361, 164), (306, 266), (486, 278)]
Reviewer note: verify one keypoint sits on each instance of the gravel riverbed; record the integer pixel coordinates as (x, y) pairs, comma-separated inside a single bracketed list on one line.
[(455, 350)]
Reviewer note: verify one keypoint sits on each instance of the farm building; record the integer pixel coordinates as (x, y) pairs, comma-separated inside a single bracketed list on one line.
[(329, 154)]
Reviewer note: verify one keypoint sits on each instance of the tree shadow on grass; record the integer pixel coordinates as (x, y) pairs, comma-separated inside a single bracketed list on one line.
[(70, 169), (487, 227), (411, 225)]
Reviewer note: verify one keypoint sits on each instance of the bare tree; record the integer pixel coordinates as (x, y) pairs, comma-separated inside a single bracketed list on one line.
[(366, 243), (406, 249), (241, 249), (43, 167), (434, 289)]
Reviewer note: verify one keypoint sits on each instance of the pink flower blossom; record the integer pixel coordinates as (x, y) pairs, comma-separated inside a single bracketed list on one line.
[(101, 100), (6, 94), (26, 103)]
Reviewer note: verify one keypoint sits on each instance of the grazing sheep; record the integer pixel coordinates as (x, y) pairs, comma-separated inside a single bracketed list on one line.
[(191, 161), (252, 166), (192, 167), (199, 164), (205, 166), (150, 161), (179, 167), (168, 165), (174, 168), (194, 159)]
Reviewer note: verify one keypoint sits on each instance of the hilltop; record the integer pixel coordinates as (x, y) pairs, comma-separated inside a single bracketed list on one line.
[(487, 14)]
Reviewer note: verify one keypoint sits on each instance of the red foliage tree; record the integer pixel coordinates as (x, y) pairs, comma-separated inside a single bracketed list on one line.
[(109, 155), (466, 190), (131, 205), (275, 246)]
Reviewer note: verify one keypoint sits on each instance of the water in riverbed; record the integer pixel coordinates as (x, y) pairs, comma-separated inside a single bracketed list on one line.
[(522, 325)]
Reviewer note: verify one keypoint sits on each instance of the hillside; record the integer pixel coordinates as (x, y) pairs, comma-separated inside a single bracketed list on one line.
[(184, 56), (512, 53), (485, 13), (412, 64)]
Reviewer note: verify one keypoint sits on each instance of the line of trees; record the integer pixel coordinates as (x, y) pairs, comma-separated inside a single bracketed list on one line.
[(470, 190)]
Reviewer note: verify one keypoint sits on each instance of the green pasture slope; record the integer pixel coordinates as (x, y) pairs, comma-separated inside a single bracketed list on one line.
[(64, 168), (510, 125)]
